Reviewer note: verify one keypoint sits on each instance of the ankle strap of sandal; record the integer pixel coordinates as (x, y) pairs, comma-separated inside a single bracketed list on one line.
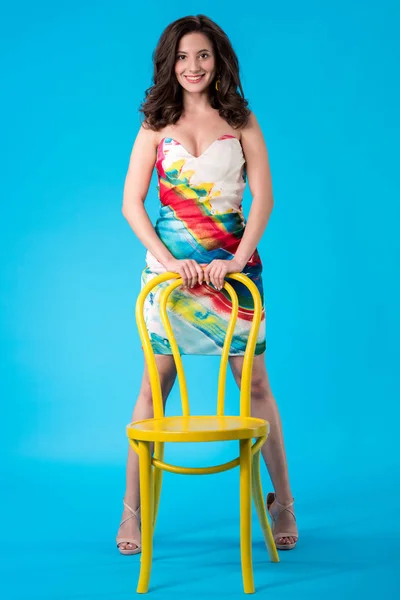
[(283, 507), (135, 513)]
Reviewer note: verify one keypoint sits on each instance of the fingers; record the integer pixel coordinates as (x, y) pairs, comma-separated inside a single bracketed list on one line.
[(215, 273), (191, 273), (212, 276), (217, 277), (200, 272), (184, 272), (207, 274), (220, 277)]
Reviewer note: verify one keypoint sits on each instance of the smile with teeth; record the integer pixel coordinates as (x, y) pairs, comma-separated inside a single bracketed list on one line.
[(192, 79)]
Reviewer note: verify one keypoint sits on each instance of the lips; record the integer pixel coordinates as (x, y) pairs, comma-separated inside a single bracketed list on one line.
[(196, 79)]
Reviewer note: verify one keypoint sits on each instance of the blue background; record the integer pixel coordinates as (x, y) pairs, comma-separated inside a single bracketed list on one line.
[(322, 80)]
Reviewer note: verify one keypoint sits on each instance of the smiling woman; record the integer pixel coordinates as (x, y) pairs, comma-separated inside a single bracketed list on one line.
[(204, 54), (190, 48), (205, 145)]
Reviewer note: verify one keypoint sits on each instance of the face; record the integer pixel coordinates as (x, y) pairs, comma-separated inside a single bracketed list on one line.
[(195, 62)]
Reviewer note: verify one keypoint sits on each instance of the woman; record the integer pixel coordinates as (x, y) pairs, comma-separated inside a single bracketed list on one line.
[(204, 142)]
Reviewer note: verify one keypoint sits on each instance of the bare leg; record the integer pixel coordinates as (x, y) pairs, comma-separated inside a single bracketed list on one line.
[(143, 410), (263, 405)]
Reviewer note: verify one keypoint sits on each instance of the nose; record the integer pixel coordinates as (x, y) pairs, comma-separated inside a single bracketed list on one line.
[(193, 66)]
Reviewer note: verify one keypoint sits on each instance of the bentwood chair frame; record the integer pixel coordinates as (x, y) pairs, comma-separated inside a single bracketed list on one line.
[(186, 428)]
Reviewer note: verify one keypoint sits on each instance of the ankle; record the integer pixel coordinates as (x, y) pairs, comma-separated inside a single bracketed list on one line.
[(132, 501), (284, 500)]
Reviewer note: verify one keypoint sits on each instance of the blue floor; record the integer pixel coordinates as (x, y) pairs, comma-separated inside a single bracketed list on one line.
[(60, 520)]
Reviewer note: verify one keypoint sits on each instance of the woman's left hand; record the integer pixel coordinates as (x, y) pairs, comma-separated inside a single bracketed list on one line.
[(216, 270)]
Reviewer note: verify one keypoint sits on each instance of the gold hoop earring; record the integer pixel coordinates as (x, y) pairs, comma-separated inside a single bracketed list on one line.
[(217, 84)]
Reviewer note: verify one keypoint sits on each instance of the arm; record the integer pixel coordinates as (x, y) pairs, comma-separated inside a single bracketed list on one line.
[(259, 179), (136, 186), (260, 184)]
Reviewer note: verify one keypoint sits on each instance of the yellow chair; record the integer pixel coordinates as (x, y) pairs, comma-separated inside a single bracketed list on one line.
[(186, 428)]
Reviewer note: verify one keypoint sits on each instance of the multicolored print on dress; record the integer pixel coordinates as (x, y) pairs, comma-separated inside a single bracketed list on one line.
[(201, 218)]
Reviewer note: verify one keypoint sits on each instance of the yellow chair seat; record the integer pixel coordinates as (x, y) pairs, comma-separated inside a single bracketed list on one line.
[(197, 429)]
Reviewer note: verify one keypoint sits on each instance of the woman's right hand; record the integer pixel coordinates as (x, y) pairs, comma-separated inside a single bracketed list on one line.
[(190, 271)]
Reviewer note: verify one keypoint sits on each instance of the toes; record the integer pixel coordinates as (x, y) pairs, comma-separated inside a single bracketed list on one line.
[(286, 540), (125, 546)]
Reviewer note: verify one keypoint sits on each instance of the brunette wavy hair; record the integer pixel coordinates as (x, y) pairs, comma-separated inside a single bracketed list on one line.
[(163, 101)]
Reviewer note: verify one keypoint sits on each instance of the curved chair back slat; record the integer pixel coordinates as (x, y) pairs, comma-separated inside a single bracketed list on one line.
[(225, 349), (245, 388), (174, 346)]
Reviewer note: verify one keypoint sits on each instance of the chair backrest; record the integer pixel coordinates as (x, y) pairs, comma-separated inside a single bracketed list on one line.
[(245, 387)]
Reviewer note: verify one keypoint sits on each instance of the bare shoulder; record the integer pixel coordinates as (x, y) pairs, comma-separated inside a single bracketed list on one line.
[(144, 148), (256, 156), (146, 138), (252, 137)]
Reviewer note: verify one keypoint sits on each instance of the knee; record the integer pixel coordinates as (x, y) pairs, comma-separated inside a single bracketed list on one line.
[(167, 381), (260, 389), (259, 384), (146, 395)]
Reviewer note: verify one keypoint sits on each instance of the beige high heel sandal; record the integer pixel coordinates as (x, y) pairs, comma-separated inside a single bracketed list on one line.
[(270, 499), (129, 540)]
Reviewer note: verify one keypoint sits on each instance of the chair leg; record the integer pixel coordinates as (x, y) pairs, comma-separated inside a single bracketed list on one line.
[(157, 473), (260, 507), (245, 516), (146, 511)]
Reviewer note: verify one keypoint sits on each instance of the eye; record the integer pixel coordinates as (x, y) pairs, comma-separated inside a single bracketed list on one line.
[(180, 56), (205, 54)]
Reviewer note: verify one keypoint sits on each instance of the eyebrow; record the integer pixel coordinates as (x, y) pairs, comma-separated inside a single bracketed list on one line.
[(203, 50)]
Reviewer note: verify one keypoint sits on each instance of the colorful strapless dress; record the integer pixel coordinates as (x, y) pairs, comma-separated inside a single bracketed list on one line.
[(201, 218)]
